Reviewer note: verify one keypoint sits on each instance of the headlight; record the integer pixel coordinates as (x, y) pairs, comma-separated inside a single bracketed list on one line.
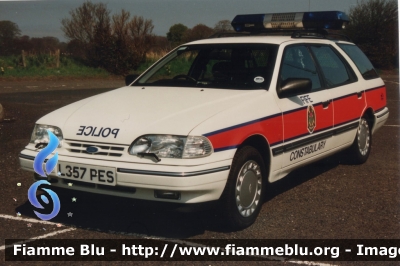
[(169, 146), (39, 134)]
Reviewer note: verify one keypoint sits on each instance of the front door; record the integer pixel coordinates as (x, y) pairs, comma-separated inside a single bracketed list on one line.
[(307, 117)]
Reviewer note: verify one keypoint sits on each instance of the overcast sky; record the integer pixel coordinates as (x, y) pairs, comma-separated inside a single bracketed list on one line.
[(43, 18)]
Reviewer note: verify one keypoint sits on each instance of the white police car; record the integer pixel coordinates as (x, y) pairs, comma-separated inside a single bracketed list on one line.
[(218, 119)]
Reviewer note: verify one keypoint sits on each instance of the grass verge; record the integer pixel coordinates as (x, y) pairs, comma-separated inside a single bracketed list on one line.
[(44, 66)]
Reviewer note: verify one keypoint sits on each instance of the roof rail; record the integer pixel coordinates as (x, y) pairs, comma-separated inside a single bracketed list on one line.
[(309, 33), (318, 34), (228, 34)]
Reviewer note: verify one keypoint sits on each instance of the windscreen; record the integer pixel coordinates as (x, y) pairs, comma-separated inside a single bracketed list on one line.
[(227, 66)]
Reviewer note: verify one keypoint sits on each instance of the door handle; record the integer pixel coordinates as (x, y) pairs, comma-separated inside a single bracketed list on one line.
[(359, 94), (326, 104)]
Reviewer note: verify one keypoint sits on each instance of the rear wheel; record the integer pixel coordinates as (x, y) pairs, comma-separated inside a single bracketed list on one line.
[(361, 147), (243, 195)]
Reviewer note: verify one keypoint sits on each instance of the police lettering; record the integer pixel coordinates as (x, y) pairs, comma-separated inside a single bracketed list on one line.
[(307, 150), (95, 132), (306, 99)]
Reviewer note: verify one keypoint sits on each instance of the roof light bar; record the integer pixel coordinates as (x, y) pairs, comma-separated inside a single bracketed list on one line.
[(334, 20)]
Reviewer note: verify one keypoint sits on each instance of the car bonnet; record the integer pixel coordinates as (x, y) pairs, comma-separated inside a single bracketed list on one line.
[(122, 115)]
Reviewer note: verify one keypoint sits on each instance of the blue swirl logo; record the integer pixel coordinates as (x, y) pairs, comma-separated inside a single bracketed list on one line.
[(52, 162), (49, 167), (34, 201)]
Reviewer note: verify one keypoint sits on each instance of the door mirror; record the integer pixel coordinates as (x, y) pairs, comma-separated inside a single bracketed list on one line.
[(294, 86), (130, 78)]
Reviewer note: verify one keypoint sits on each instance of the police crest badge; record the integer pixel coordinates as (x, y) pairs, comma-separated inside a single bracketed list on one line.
[(311, 119)]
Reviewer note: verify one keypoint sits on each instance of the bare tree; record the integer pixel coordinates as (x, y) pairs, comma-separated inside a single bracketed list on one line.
[(82, 24), (122, 55), (140, 30), (99, 49), (115, 43), (120, 24)]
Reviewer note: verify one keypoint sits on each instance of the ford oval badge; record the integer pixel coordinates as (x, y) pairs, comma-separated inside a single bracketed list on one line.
[(92, 149)]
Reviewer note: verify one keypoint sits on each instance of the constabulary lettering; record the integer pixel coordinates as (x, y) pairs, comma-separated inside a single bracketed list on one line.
[(307, 150)]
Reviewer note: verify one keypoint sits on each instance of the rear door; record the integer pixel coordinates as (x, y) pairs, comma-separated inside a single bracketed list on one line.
[(348, 98)]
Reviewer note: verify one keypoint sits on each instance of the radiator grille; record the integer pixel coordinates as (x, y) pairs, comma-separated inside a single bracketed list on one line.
[(103, 149)]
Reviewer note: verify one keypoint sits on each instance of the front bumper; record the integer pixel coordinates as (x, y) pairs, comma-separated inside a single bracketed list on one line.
[(194, 183)]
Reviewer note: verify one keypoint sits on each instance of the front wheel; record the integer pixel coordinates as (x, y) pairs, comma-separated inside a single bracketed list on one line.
[(243, 195), (361, 147)]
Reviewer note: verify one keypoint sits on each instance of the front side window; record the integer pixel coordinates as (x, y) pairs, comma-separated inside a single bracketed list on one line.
[(230, 66), (298, 63), (333, 69), (360, 60)]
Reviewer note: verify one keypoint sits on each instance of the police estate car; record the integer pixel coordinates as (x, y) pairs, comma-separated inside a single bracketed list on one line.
[(219, 119)]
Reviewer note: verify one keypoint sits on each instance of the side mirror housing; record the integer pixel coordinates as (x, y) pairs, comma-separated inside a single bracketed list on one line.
[(294, 86), (130, 78)]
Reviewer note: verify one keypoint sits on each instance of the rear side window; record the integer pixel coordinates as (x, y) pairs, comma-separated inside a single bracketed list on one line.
[(334, 70), (360, 60)]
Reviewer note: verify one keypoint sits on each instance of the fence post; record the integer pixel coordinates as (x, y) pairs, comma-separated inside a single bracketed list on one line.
[(57, 58), (23, 58)]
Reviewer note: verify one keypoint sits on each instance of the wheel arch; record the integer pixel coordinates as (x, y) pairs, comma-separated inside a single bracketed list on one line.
[(369, 114), (260, 143)]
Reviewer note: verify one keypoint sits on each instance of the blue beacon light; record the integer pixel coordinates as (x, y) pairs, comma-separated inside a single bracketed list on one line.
[(334, 20)]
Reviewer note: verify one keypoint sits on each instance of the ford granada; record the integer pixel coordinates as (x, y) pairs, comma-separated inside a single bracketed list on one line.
[(220, 119)]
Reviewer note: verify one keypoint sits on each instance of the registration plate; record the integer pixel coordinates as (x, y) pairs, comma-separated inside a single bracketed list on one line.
[(87, 173)]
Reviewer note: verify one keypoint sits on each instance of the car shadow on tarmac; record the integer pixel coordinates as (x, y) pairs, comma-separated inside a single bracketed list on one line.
[(139, 218)]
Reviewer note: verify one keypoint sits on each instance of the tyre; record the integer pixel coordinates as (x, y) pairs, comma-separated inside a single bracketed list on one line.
[(243, 195), (361, 147)]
